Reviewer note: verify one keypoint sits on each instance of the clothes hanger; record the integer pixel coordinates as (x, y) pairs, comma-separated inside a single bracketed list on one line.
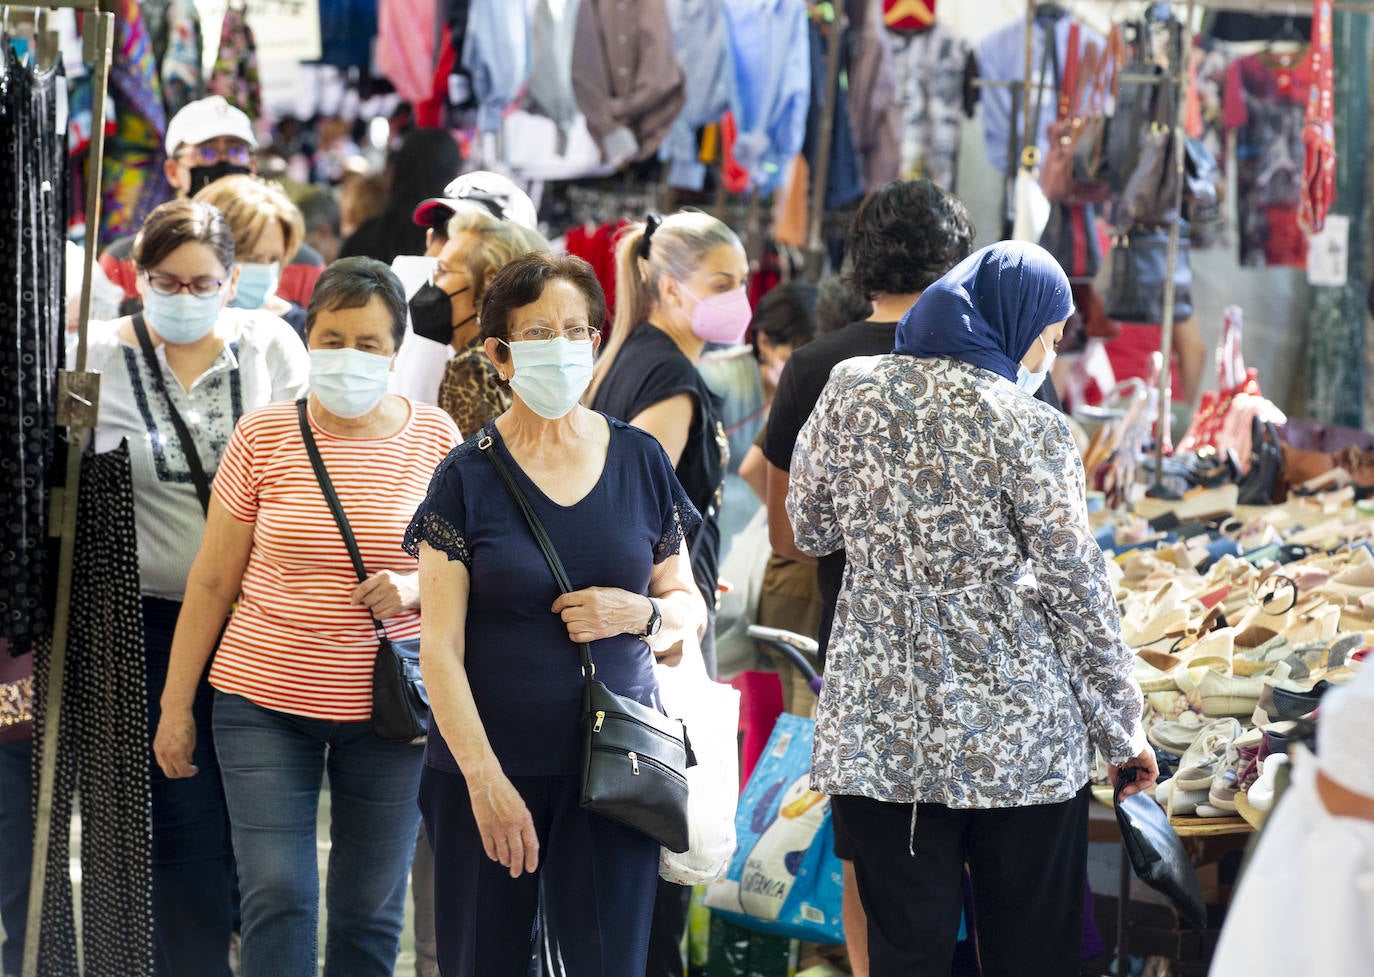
[(1049, 12), (1288, 43)]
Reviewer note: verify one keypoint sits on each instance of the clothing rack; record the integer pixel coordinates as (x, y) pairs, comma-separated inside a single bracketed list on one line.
[(78, 404)]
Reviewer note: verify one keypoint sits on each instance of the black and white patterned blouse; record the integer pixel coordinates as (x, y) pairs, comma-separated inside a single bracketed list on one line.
[(976, 657)]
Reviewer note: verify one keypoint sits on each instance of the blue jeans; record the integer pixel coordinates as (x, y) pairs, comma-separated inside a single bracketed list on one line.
[(273, 764), (16, 847), (193, 863)]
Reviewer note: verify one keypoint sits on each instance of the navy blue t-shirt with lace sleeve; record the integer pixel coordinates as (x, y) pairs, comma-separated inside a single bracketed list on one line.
[(524, 671)]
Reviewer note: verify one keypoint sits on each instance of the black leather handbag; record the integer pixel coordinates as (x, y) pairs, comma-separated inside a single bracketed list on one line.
[(1156, 853), (634, 758), (1135, 290), (400, 704)]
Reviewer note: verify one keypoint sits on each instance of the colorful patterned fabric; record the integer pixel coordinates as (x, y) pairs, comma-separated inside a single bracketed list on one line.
[(235, 74), (976, 657), (132, 180)]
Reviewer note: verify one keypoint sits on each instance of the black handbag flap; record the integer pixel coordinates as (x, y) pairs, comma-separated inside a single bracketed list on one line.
[(1156, 854)]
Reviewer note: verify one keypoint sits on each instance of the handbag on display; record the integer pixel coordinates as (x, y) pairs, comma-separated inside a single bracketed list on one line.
[(400, 704), (1156, 854), (1144, 89), (1139, 265), (1202, 182), (1082, 94), (1071, 236), (634, 758)]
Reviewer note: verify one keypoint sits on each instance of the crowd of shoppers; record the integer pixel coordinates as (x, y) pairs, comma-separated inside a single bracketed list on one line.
[(917, 477)]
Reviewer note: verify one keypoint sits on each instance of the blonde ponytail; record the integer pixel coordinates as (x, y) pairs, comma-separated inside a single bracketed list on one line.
[(677, 247)]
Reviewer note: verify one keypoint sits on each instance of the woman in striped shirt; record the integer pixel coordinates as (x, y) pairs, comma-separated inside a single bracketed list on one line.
[(293, 670)]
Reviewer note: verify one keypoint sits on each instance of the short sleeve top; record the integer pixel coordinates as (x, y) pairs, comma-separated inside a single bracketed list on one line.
[(297, 643), (648, 370), (525, 673)]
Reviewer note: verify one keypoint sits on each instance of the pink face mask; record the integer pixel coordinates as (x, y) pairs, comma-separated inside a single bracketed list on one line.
[(721, 318)]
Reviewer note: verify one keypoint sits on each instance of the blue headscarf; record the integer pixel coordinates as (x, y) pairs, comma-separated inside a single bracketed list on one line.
[(989, 308)]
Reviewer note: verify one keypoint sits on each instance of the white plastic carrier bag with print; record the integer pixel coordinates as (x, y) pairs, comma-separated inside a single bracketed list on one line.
[(784, 878)]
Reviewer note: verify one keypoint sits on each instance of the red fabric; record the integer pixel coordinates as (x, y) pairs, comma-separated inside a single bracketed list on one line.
[(121, 273), (1319, 128), (760, 707), (734, 176), (1130, 353), (1285, 244), (909, 16), (429, 114), (298, 283), (596, 246)]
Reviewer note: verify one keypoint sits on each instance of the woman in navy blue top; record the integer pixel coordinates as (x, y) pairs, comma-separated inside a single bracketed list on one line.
[(501, 784)]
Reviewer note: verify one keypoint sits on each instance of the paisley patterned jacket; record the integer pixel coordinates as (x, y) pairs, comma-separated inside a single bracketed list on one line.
[(976, 658)]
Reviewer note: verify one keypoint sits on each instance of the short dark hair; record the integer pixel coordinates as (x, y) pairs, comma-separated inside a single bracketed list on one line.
[(787, 314), (179, 222), (522, 281), (905, 236), (837, 304), (350, 283)]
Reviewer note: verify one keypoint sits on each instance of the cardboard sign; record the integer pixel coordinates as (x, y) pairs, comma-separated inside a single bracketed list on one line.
[(1328, 253)]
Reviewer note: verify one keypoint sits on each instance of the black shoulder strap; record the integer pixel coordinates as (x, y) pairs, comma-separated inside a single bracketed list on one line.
[(335, 506), (488, 447), (188, 446)]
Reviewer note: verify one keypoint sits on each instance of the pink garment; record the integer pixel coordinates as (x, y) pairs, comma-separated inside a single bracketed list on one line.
[(405, 46)]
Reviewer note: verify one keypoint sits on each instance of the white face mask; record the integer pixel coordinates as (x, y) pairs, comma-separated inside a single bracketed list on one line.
[(1031, 382), (551, 375), (348, 382)]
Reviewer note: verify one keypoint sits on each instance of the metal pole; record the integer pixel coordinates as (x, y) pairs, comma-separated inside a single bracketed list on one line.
[(815, 246), (1166, 328), (77, 401), (1031, 126)]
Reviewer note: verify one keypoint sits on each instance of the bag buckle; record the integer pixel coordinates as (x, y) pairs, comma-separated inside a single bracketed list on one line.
[(589, 671), (485, 443)]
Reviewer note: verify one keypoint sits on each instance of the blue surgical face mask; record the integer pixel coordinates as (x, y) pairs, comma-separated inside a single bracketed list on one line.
[(349, 382), (551, 376), (181, 319), (1031, 382), (256, 283)]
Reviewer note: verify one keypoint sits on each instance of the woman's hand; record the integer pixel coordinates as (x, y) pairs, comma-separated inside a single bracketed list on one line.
[(175, 742), (1147, 766), (602, 612), (387, 594), (505, 824)]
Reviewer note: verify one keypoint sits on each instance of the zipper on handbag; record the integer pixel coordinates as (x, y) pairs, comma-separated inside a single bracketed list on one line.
[(600, 718), (634, 763), (641, 759), (620, 717)]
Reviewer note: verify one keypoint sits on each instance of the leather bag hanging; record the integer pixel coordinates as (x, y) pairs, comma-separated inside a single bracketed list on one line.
[(1071, 236), (1139, 264), (1082, 92), (400, 704), (634, 758), (1137, 104), (1156, 854)]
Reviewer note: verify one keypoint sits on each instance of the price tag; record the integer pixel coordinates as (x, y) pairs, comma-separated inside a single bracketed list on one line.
[(1328, 253)]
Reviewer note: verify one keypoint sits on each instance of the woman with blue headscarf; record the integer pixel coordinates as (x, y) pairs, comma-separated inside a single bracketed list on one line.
[(977, 659)]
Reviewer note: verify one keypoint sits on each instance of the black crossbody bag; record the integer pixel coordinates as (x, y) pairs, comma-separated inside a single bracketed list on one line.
[(634, 758), (400, 704)]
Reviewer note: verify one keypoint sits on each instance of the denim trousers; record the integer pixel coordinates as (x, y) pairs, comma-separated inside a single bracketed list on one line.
[(16, 847), (273, 764), (193, 862)]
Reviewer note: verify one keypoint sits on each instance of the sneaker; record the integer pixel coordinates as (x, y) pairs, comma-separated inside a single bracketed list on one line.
[(1202, 761), (1261, 792), (1236, 771), (1173, 737), (1178, 802), (1227, 695)]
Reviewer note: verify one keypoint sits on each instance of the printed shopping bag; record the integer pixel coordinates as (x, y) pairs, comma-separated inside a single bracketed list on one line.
[(784, 877)]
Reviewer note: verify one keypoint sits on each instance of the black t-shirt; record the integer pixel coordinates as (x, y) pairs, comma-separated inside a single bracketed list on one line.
[(648, 370), (799, 387)]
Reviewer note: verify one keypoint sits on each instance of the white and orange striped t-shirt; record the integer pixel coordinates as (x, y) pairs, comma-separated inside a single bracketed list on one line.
[(296, 644)]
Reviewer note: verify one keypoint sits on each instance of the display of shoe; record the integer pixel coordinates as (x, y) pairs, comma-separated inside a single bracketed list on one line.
[(1225, 695), (1238, 770), (1261, 792), (1291, 704), (1178, 803), (1173, 737), (1201, 761)]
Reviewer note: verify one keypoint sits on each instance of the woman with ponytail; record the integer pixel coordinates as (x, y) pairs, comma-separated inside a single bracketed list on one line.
[(679, 285)]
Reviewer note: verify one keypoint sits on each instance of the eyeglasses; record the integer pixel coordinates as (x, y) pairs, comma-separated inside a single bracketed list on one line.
[(544, 334), (172, 285), (208, 155), (442, 269)]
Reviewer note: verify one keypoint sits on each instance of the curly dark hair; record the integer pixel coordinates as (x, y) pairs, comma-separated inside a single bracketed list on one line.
[(906, 235)]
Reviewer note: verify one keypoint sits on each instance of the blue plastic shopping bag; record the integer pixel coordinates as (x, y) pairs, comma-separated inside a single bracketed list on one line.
[(784, 877)]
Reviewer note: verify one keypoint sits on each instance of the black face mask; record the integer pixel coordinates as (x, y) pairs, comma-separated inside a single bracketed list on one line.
[(431, 313), (201, 176)]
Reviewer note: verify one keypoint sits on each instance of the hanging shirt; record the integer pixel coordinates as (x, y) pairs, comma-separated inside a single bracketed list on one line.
[(874, 119), (405, 46), (844, 183), (235, 74), (702, 39), (346, 31), (1002, 57), (626, 76), (553, 27), (495, 54), (773, 69), (1264, 103), (132, 181), (263, 363), (931, 70)]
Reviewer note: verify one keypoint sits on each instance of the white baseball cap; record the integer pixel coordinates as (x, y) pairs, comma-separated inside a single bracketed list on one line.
[(499, 194), (207, 119)]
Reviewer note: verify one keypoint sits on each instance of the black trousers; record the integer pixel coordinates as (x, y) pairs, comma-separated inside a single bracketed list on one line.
[(597, 879), (1028, 866)]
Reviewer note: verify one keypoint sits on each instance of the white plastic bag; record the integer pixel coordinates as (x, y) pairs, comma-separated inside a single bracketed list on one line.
[(1032, 208), (710, 711)]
